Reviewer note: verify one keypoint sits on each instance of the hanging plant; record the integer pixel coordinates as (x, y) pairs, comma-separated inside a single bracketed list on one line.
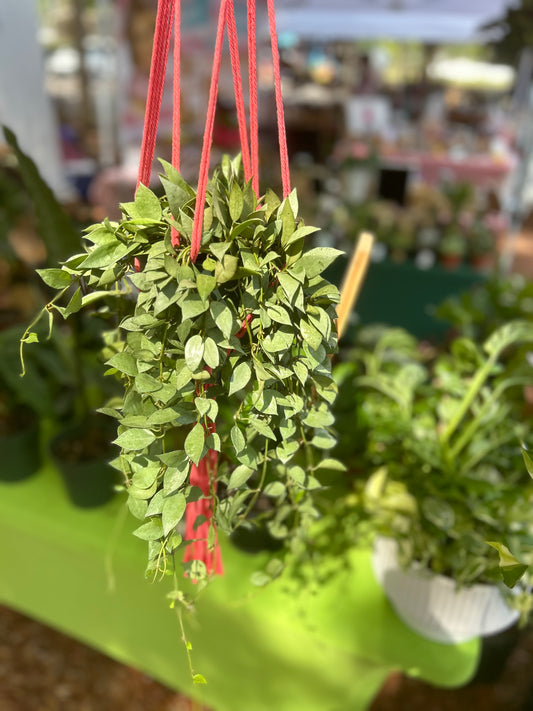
[(225, 358)]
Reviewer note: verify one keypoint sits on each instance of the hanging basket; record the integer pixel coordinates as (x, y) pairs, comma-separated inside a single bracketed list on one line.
[(434, 606)]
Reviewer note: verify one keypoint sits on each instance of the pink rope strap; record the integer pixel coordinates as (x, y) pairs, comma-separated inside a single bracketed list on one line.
[(163, 28), (208, 136), (282, 136), (176, 105), (252, 83), (237, 83)]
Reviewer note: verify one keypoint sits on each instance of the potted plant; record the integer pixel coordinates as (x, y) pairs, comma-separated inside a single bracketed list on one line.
[(482, 245), (245, 330), (452, 247), (442, 438)]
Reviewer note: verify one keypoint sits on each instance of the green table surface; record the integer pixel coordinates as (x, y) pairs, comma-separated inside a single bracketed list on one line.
[(260, 649)]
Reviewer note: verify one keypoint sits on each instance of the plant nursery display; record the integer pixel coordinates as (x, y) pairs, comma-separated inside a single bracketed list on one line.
[(442, 436), (228, 354)]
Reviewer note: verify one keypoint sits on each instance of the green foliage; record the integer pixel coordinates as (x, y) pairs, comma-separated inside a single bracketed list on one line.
[(239, 340), (55, 227), (442, 435)]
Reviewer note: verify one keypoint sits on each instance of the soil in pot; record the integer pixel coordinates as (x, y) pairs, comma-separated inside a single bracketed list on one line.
[(81, 454), (19, 445)]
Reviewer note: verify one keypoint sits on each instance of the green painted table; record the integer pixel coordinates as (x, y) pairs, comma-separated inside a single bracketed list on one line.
[(260, 649)]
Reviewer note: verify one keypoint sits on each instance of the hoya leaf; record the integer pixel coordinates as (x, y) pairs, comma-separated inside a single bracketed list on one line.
[(135, 439), (56, 278), (194, 443), (317, 260), (205, 284), (124, 362), (528, 459), (236, 202), (223, 317), (173, 510), (227, 269), (237, 439), (151, 531), (194, 351), (239, 476), (240, 377), (211, 355), (331, 465), (147, 204)]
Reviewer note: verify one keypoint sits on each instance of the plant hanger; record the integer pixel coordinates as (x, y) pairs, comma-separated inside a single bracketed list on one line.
[(169, 15)]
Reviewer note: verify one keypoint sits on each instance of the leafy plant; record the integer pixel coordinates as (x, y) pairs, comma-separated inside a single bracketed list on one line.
[(228, 353), (443, 441)]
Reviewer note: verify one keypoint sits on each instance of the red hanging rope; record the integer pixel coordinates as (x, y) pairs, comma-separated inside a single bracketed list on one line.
[(252, 83), (163, 28), (282, 136), (176, 105), (208, 137), (237, 83)]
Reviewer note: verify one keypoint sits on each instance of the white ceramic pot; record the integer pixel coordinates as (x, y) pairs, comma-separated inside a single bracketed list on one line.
[(433, 606)]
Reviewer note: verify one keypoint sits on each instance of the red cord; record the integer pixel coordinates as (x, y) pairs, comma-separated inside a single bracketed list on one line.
[(196, 239), (176, 105), (252, 79), (283, 153), (237, 83), (158, 65)]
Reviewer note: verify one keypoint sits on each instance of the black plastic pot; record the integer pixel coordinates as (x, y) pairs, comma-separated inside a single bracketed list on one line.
[(81, 454), (20, 454)]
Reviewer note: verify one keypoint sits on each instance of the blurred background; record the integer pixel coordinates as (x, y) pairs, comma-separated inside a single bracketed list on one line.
[(410, 118)]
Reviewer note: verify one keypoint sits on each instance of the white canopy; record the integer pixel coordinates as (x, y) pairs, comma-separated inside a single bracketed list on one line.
[(431, 21)]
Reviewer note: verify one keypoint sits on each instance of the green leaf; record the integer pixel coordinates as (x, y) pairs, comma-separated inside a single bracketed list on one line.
[(194, 443), (211, 354), (439, 512), (31, 338), (511, 568), (173, 510), (74, 305), (237, 439), (316, 260), (240, 377), (528, 459), (206, 406), (205, 285), (56, 278), (227, 269), (193, 306), (124, 362), (289, 285), (272, 202), (147, 204), (236, 202), (259, 579), (239, 476), (288, 220), (262, 428), (279, 314), (331, 465), (323, 440), (151, 531), (275, 489), (135, 439), (223, 317), (194, 351), (175, 477), (105, 255), (310, 334), (198, 679), (513, 332)]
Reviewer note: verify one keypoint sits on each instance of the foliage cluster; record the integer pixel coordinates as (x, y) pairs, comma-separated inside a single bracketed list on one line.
[(229, 353), (442, 436)]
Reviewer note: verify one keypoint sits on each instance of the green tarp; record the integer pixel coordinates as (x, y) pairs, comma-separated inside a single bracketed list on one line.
[(325, 649)]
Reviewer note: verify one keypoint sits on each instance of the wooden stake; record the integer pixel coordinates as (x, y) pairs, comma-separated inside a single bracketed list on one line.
[(353, 280)]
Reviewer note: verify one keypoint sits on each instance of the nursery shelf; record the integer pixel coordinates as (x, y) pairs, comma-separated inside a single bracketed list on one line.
[(81, 572)]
